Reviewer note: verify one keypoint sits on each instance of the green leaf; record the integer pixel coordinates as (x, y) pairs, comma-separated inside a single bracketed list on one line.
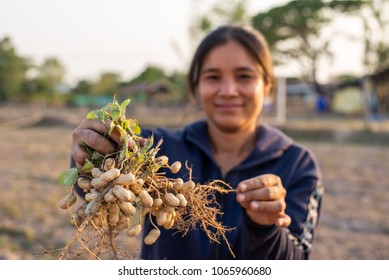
[(68, 177), (92, 114), (126, 124), (134, 126), (88, 149), (96, 157), (115, 113), (136, 129), (124, 105), (101, 116), (87, 168)]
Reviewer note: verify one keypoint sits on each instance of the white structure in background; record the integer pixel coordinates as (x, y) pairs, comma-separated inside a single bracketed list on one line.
[(281, 101)]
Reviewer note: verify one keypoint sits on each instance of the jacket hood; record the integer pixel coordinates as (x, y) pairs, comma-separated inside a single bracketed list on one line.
[(271, 142)]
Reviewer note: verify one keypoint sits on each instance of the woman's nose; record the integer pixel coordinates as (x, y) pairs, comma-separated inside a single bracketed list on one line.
[(228, 87)]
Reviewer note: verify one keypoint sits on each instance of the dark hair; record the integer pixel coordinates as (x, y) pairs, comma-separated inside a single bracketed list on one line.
[(252, 40)]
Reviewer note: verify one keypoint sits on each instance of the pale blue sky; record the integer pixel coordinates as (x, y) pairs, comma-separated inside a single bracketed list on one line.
[(92, 36)]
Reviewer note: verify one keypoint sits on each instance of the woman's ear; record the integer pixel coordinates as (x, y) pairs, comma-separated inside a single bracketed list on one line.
[(268, 86)]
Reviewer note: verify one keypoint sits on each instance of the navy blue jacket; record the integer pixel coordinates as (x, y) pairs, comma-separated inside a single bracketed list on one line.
[(274, 153)]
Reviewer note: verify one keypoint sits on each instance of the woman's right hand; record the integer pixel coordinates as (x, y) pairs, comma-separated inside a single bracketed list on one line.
[(91, 133)]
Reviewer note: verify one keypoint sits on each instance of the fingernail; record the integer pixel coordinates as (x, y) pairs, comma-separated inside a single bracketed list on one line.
[(240, 197), (254, 205), (242, 187)]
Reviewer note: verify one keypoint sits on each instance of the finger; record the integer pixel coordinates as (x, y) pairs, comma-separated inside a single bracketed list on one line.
[(244, 204), (94, 140), (93, 124), (259, 182), (79, 155), (284, 220), (263, 194), (102, 128), (268, 206)]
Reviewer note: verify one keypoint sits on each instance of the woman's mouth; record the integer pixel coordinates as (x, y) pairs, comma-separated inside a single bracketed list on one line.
[(228, 107)]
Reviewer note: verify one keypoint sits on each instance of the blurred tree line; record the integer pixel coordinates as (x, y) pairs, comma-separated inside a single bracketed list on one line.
[(294, 32), (21, 81)]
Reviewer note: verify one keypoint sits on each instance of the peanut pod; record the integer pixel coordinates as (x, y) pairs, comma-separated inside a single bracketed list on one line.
[(110, 197), (146, 199), (84, 184), (113, 214), (92, 195), (98, 183), (171, 200), (152, 236), (161, 217), (110, 175), (134, 231), (178, 183), (127, 208), (182, 198), (122, 223), (188, 186), (125, 179), (123, 194), (175, 167), (157, 202), (68, 201), (109, 163), (96, 172), (170, 221)]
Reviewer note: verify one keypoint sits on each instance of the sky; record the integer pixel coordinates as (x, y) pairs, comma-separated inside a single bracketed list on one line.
[(124, 36)]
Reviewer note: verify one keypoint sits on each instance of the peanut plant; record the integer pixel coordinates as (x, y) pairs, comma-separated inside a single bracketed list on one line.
[(123, 188)]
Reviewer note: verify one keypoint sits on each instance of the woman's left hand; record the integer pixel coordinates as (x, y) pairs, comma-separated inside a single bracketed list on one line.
[(263, 197)]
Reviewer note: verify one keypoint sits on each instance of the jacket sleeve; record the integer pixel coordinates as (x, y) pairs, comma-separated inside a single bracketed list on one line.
[(303, 200), (271, 243)]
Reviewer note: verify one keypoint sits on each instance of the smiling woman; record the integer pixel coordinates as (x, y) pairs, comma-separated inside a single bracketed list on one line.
[(277, 202), (232, 88)]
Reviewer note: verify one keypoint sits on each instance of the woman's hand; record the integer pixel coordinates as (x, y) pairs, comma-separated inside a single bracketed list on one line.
[(263, 197), (91, 133)]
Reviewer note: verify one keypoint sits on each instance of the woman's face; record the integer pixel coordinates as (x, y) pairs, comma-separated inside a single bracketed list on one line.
[(231, 88)]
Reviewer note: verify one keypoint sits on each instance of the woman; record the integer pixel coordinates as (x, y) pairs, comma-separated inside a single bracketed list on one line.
[(277, 202)]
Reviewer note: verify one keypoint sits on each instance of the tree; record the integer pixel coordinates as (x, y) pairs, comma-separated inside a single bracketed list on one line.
[(155, 77), (222, 12), (107, 84), (83, 87), (294, 32), (13, 69), (376, 35), (150, 74), (51, 73)]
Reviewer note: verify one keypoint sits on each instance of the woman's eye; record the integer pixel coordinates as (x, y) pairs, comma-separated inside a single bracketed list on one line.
[(211, 77), (244, 77)]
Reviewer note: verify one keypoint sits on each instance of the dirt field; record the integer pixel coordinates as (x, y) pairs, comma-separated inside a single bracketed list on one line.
[(33, 152)]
